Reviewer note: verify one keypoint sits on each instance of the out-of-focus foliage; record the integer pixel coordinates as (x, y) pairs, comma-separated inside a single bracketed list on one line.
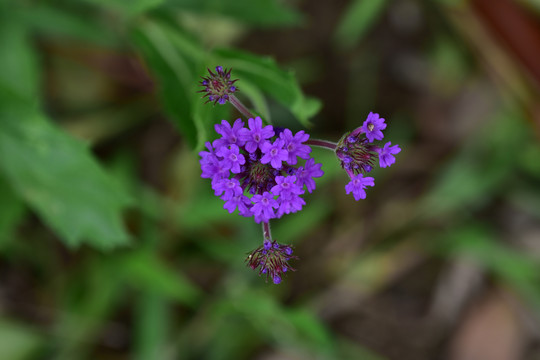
[(113, 247)]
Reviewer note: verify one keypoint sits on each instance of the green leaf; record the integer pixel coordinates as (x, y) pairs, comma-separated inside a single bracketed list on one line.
[(128, 7), (18, 64), (146, 272), (60, 23), (257, 100), (477, 242), (11, 211), (279, 84), (170, 56), (205, 116), (358, 18), (18, 342), (260, 13), (59, 178)]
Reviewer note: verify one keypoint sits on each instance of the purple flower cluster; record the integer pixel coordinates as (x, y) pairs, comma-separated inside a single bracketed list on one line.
[(218, 86), (258, 172), (272, 260), (357, 152)]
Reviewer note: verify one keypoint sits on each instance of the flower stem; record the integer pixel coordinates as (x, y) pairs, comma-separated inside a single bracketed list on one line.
[(266, 231), (329, 145), (240, 107)]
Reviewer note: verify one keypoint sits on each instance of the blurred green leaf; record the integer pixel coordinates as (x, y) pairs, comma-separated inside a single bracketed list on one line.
[(257, 100), (128, 7), (357, 19), (18, 66), (479, 243), (279, 84), (260, 13), (11, 211), (60, 179), (152, 326), (18, 342), (204, 118), (480, 168), (57, 22), (145, 271), (311, 329), (170, 57)]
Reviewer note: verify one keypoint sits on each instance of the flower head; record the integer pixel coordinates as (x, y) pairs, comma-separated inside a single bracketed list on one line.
[(252, 170), (272, 259), (218, 86)]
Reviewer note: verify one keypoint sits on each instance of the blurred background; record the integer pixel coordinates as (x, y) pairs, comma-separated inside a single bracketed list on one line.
[(113, 247)]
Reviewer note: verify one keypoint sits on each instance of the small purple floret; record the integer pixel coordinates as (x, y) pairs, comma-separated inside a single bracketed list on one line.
[(307, 173), (372, 127), (386, 154), (263, 207), (232, 159), (274, 153), (357, 186), (229, 135), (294, 145), (256, 135)]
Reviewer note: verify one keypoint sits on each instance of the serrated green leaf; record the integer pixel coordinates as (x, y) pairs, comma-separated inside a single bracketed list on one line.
[(58, 177)]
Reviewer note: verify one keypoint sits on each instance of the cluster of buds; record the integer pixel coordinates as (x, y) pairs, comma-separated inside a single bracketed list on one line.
[(218, 86), (272, 260), (262, 171)]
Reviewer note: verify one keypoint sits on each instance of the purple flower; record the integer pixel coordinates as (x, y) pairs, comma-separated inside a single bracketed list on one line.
[(263, 207), (286, 187), (230, 188), (274, 153), (232, 159), (294, 146), (256, 135), (241, 202), (357, 185), (290, 204), (211, 166), (306, 173), (386, 154), (372, 127), (230, 135)]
